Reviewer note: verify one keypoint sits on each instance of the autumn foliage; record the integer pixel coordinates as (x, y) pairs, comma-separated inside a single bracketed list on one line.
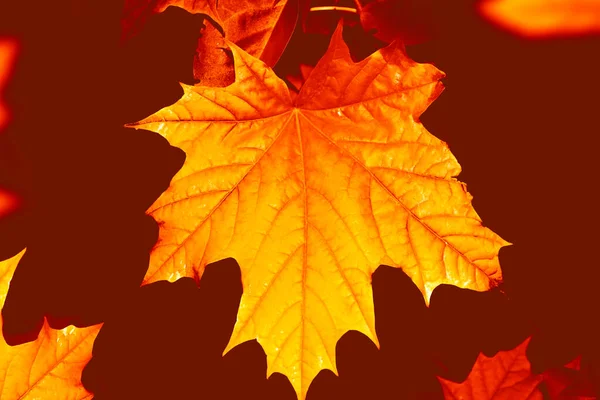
[(8, 51), (49, 367), (307, 249), (311, 173)]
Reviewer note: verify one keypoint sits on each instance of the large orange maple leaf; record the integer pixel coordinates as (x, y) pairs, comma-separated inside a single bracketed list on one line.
[(8, 52), (310, 195), (49, 367)]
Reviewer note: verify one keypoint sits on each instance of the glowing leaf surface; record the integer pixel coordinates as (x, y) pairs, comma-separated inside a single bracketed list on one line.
[(49, 367), (310, 196)]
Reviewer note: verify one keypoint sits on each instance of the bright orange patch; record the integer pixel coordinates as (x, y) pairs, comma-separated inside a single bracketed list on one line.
[(8, 202), (544, 18)]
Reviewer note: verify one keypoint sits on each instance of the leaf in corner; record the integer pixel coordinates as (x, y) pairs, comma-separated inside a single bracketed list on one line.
[(311, 195), (507, 375), (49, 367), (261, 27)]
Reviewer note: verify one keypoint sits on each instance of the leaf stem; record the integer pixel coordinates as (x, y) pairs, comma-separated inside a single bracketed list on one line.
[(334, 8)]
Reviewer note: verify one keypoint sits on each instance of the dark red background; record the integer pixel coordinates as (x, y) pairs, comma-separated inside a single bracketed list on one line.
[(520, 116)]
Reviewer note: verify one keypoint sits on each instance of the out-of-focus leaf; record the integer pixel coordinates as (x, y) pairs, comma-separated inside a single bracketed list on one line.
[(410, 21), (213, 66), (507, 375), (8, 52), (544, 18)]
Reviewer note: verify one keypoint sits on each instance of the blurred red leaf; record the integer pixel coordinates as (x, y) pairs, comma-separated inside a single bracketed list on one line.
[(507, 375), (48, 367), (8, 54), (9, 202), (572, 381), (410, 21)]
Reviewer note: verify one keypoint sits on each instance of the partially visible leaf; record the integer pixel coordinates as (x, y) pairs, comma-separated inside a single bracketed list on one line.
[(261, 27), (9, 202), (574, 364), (410, 21), (507, 375), (8, 52), (543, 18), (308, 44), (311, 195), (557, 380), (573, 381), (213, 66), (298, 80), (49, 367)]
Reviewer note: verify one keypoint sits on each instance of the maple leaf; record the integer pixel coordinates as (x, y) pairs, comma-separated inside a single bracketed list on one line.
[(558, 379), (212, 65), (261, 27), (507, 375), (541, 18), (310, 196), (49, 367)]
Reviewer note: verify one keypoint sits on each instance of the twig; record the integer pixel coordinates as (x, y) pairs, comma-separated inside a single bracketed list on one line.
[(334, 8)]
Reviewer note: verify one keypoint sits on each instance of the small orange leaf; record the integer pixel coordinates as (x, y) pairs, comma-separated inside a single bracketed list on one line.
[(311, 195), (507, 375), (49, 367), (541, 18)]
